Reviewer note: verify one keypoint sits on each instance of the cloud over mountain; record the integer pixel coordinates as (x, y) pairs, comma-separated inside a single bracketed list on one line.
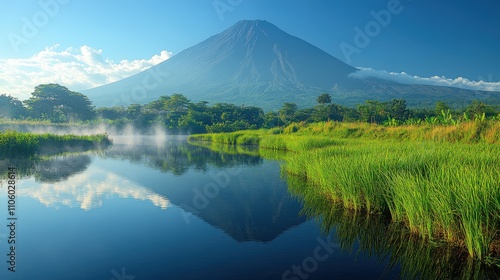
[(255, 63), (76, 68), (404, 78)]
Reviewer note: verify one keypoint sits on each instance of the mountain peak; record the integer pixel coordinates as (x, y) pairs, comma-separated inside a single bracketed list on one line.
[(255, 63), (248, 28), (252, 57), (252, 21)]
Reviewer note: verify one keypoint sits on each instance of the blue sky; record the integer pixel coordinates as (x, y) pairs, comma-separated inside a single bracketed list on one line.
[(103, 41)]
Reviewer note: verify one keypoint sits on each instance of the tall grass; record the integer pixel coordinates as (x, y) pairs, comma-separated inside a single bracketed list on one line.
[(440, 191), (375, 235), (466, 132), (443, 183), (14, 144), (18, 144)]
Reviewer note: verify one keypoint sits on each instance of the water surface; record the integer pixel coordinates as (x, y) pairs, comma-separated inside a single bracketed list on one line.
[(165, 209)]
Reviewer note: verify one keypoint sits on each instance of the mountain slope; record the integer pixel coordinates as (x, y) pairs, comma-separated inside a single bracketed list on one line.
[(256, 63)]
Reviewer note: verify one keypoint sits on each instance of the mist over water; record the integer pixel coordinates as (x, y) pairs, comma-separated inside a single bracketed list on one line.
[(126, 135), (130, 136)]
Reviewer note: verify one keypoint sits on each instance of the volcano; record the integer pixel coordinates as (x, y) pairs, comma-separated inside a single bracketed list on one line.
[(256, 63)]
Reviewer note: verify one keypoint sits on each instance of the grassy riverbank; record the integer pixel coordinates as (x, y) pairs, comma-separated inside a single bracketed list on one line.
[(17, 144), (442, 182)]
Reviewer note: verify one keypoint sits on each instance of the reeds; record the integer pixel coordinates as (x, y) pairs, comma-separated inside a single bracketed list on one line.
[(375, 235), (441, 191), (487, 131), (442, 182), (13, 144), (18, 144)]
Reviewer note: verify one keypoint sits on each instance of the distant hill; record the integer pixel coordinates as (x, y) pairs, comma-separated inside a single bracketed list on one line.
[(256, 63)]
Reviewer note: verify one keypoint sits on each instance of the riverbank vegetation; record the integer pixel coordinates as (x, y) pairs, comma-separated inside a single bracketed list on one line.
[(52, 103), (376, 235), (441, 181), (17, 144)]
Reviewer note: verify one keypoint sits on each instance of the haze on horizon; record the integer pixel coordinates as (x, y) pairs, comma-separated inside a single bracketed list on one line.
[(56, 41)]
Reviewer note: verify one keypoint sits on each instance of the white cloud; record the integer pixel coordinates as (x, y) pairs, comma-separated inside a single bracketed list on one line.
[(77, 69), (406, 78)]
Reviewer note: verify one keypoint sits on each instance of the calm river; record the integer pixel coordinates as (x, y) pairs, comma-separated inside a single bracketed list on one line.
[(165, 209)]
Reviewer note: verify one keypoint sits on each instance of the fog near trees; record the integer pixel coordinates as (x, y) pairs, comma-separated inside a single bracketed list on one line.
[(176, 114)]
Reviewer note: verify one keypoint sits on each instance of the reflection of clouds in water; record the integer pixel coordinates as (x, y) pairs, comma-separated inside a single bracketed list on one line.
[(88, 190)]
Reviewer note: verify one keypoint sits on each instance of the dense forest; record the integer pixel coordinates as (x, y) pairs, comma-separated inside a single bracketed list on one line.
[(57, 104)]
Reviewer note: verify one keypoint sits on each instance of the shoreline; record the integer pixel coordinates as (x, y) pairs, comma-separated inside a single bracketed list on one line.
[(441, 186), (15, 144)]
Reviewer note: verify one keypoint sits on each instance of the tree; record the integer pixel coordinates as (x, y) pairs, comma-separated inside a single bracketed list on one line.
[(477, 109), (223, 112), (399, 110), (325, 98), (441, 106), (303, 115), (57, 103), (252, 115), (287, 112), (322, 112), (112, 113), (348, 114), (11, 107), (134, 111), (197, 118), (158, 106), (328, 112), (374, 111), (177, 103), (175, 107), (271, 119)]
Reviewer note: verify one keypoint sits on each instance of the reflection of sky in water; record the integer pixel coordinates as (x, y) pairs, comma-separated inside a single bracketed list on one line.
[(250, 230), (88, 190)]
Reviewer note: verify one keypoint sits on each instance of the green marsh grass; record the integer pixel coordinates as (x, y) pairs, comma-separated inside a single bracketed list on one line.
[(449, 191), (376, 235), (487, 131), (19, 144), (442, 182)]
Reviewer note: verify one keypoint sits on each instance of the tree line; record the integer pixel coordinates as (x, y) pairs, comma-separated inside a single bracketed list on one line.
[(58, 104)]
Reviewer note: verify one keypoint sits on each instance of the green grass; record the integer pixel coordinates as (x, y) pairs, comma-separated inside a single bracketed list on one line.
[(443, 183), (448, 191), (377, 236), (466, 132), (18, 144)]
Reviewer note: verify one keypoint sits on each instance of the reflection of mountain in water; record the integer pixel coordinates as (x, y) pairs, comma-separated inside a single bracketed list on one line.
[(252, 205), (88, 190)]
